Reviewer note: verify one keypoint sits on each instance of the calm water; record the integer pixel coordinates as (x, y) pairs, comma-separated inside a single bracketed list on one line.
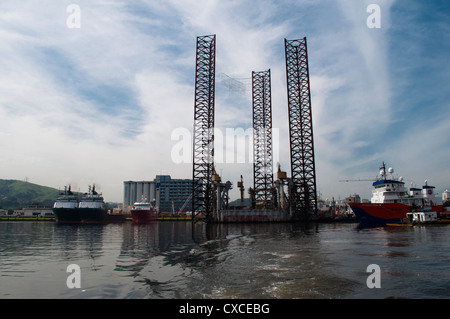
[(172, 260)]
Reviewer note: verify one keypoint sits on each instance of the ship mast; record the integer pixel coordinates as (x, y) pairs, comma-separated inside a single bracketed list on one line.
[(383, 170)]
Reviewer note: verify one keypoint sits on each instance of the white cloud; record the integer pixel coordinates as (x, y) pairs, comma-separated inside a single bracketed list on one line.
[(99, 103)]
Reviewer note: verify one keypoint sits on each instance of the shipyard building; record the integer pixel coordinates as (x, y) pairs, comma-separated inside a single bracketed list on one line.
[(165, 193)]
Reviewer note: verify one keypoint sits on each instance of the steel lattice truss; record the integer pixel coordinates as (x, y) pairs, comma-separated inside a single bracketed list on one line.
[(203, 137), (262, 137), (300, 128)]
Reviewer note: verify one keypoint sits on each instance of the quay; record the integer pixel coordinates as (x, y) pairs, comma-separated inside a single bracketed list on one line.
[(244, 217), (26, 218), (53, 219)]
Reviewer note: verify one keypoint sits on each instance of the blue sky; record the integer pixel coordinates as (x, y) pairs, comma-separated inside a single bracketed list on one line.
[(98, 104)]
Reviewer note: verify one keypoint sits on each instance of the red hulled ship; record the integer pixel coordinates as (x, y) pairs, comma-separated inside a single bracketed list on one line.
[(143, 212), (391, 202)]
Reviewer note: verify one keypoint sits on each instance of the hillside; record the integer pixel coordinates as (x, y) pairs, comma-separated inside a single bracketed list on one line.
[(237, 202), (18, 194)]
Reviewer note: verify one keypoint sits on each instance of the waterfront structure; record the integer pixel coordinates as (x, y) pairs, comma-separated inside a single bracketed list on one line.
[(303, 193), (445, 196), (262, 138), (203, 139), (165, 193), (136, 191), (37, 210)]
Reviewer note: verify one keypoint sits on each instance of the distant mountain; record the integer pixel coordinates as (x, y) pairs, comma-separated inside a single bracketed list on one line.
[(18, 194), (237, 202)]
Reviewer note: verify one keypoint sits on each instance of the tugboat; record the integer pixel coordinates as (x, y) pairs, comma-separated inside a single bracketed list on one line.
[(65, 207), (391, 202), (143, 212)]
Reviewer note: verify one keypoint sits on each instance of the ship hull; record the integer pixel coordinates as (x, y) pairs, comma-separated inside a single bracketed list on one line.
[(143, 216), (98, 215), (374, 215), (67, 215)]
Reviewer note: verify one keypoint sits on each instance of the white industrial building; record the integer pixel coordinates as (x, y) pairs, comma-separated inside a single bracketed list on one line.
[(165, 193), (445, 196), (37, 210)]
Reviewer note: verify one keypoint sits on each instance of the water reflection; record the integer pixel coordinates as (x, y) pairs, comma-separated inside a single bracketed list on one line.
[(173, 260), (179, 260)]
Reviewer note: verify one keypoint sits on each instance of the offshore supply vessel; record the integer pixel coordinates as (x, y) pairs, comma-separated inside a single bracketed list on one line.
[(65, 207), (143, 212), (93, 209), (391, 202), (86, 208)]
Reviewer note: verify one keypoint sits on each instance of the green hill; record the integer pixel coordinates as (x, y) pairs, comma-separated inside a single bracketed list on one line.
[(237, 202), (18, 194)]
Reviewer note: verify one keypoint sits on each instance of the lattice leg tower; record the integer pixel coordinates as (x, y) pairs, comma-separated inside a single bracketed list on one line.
[(262, 137), (203, 137), (304, 201)]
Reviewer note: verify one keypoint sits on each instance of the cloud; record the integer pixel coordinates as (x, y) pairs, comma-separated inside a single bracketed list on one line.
[(99, 103)]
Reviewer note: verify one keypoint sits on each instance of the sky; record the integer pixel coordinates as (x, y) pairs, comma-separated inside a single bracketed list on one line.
[(101, 91)]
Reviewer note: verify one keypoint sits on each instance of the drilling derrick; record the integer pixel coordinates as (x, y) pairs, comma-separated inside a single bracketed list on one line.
[(303, 194), (203, 137), (262, 138)]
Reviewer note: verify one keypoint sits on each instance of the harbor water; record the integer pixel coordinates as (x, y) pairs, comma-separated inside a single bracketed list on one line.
[(171, 260)]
